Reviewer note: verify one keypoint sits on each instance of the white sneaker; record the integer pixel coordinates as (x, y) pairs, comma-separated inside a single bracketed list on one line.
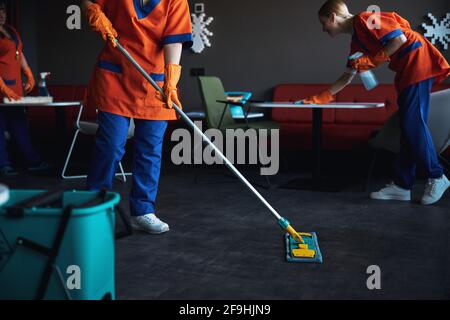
[(434, 190), (149, 223), (392, 192)]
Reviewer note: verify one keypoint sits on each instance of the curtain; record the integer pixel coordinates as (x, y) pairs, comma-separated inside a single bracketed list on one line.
[(13, 12)]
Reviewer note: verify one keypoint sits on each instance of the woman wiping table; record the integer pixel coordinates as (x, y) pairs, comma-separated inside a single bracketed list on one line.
[(418, 65)]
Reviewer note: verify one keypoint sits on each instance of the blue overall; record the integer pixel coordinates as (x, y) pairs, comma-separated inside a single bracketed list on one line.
[(110, 148), (14, 121), (417, 146)]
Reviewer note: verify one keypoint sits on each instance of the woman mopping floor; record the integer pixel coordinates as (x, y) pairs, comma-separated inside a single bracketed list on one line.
[(155, 34)]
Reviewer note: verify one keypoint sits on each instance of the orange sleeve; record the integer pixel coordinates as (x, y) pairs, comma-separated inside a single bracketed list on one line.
[(390, 26), (178, 26), (356, 46)]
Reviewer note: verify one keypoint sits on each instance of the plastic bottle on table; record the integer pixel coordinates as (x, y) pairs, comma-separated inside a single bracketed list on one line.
[(42, 87)]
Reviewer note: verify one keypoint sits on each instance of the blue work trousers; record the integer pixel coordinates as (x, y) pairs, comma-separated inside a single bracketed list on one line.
[(109, 149), (417, 146)]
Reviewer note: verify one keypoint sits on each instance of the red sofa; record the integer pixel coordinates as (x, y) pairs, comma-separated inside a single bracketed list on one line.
[(342, 129)]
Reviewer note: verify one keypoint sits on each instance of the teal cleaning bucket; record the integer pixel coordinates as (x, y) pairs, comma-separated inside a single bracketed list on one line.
[(74, 227)]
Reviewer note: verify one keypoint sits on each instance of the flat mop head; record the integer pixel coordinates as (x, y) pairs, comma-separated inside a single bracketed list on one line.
[(308, 251)]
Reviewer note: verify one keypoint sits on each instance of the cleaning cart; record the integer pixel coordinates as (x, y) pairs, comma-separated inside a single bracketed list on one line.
[(57, 245)]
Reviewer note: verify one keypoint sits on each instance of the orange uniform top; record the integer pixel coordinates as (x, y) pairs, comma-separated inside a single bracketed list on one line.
[(116, 86), (10, 57), (415, 61)]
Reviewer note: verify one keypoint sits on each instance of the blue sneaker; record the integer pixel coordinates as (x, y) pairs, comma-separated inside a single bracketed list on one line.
[(8, 171), (41, 166), (392, 192), (435, 189), (149, 223)]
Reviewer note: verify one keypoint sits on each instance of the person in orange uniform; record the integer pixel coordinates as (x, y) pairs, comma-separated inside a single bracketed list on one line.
[(13, 119), (418, 65), (154, 32)]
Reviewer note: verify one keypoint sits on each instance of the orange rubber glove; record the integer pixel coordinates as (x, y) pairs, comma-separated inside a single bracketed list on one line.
[(100, 23), (8, 92), (29, 85), (172, 74), (367, 62), (322, 98)]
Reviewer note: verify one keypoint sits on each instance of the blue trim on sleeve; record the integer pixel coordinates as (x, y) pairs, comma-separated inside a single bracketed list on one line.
[(10, 82), (144, 11), (391, 35), (413, 46), (185, 38), (159, 77), (102, 64)]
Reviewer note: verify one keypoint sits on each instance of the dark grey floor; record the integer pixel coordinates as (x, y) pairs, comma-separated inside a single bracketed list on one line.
[(224, 244)]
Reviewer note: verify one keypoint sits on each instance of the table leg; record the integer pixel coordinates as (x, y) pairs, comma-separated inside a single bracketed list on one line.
[(61, 128), (316, 182), (316, 144)]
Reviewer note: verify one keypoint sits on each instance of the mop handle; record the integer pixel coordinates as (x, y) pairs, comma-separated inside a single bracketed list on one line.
[(192, 124)]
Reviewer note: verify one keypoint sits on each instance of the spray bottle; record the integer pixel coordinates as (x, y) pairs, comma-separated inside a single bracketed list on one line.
[(43, 91), (367, 77)]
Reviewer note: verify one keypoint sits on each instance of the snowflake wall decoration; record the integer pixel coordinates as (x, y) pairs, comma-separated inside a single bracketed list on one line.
[(438, 31), (200, 32)]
